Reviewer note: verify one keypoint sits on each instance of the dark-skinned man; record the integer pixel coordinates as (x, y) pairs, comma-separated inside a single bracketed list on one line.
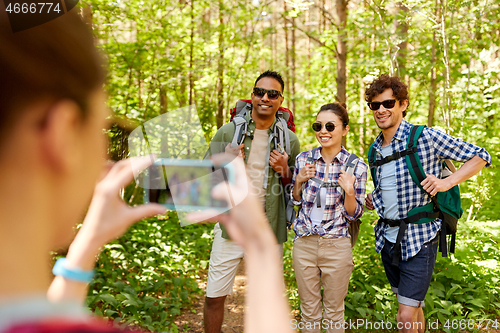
[(269, 169)]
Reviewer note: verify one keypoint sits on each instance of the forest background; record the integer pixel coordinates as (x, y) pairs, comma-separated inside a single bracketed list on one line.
[(165, 55)]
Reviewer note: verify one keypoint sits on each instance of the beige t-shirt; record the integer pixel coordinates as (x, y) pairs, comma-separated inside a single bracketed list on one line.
[(257, 162)]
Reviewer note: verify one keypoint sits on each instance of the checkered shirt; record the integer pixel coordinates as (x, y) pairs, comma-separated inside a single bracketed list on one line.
[(433, 147), (335, 216)]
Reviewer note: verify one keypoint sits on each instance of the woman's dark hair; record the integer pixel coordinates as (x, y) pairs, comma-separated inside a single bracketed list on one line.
[(385, 81), (274, 75), (56, 60), (339, 109)]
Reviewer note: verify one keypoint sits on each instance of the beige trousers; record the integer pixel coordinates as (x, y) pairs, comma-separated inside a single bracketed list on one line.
[(320, 261)]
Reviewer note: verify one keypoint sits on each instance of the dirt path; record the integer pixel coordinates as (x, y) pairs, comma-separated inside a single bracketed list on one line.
[(191, 319)]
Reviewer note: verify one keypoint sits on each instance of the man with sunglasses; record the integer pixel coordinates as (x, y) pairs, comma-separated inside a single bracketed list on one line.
[(396, 194), (269, 169)]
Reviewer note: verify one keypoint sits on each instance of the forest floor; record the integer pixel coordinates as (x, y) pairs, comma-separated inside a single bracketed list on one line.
[(191, 319)]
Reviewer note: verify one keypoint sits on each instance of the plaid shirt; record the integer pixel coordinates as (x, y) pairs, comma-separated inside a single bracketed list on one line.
[(335, 216), (433, 147)]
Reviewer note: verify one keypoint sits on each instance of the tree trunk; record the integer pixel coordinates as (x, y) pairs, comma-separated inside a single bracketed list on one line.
[(433, 78), (272, 36), (287, 56), (141, 86), (308, 41), (275, 39), (163, 100), (181, 92), (164, 109), (191, 62), (220, 70), (341, 51), (402, 33), (362, 108), (342, 54), (446, 60), (206, 24), (293, 64), (321, 19)]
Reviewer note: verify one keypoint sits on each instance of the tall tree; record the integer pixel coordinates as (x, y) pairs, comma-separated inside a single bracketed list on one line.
[(433, 72), (341, 6), (402, 35), (287, 53), (191, 54), (293, 64), (220, 69)]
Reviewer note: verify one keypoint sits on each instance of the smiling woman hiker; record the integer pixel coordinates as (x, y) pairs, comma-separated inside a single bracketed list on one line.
[(330, 197), (52, 153)]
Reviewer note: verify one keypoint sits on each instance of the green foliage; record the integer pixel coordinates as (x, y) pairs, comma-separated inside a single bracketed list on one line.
[(464, 285), (148, 275)]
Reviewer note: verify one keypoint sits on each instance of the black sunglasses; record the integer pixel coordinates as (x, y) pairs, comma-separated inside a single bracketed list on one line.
[(388, 104), (271, 94), (330, 127)]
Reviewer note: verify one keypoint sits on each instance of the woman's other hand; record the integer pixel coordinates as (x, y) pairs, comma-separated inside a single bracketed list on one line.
[(306, 173), (346, 181)]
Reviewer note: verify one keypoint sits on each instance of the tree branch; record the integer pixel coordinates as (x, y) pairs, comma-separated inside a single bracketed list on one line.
[(247, 52), (329, 16), (311, 36)]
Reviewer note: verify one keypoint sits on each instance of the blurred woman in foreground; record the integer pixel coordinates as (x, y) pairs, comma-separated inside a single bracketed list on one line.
[(52, 153)]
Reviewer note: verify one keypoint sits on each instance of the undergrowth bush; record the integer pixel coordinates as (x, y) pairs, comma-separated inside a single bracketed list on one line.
[(145, 277)]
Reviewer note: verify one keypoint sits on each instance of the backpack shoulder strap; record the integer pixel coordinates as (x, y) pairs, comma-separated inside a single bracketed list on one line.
[(349, 167), (240, 130), (372, 156), (240, 123), (310, 160), (413, 160), (351, 164), (281, 131), (310, 156)]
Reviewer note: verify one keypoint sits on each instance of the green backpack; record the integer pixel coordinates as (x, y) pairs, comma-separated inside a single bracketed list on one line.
[(446, 204)]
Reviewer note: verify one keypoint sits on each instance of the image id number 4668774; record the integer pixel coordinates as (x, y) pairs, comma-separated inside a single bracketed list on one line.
[(470, 323), (33, 8)]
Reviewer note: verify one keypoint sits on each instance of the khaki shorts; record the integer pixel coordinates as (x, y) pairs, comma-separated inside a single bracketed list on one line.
[(224, 260)]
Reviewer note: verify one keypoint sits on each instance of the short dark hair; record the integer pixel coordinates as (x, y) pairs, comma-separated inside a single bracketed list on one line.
[(55, 60), (385, 81), (339, 109), (274, 75)]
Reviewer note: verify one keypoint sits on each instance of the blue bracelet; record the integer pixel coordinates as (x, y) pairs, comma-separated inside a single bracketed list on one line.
[(75, 274)]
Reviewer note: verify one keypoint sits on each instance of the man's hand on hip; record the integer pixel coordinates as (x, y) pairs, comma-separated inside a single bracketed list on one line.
[(433, 185)]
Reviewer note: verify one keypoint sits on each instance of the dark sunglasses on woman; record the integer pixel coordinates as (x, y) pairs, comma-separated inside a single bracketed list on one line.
[(388, 104), (330, 127), (271, 94)]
